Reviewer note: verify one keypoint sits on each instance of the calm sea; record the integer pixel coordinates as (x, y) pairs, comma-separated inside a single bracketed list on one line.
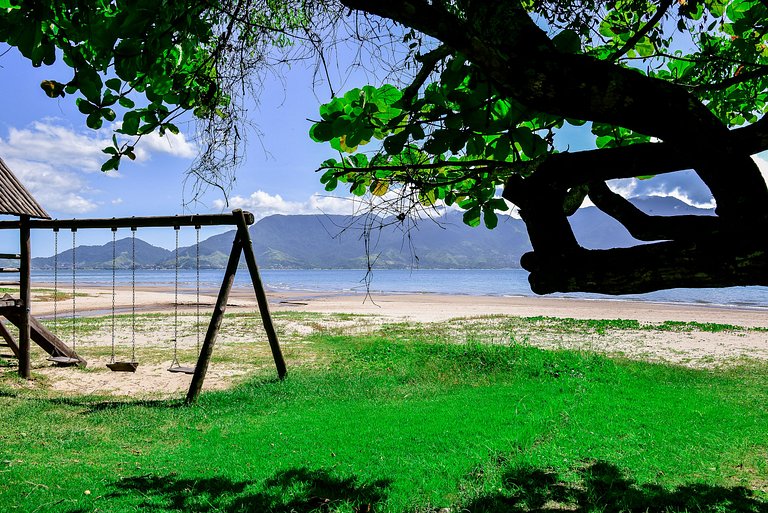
[(474, 282)]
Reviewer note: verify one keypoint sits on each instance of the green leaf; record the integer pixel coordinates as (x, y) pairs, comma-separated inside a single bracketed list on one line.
[(567, 41), (131, 122), (394, 143), (52, 88), (89, 83), (321, 132), (126, 102), (114, 84), (108, 114), (94, 120), (85, 107), (111, 164), (490, 218), (472, 217)]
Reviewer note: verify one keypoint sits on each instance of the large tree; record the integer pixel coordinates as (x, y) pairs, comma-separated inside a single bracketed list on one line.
[(664, 86)]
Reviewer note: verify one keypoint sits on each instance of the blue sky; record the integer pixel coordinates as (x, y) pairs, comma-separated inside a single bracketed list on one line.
[(45, 142)]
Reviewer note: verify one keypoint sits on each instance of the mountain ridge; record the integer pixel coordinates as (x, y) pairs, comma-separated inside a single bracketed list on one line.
[(339, 242)]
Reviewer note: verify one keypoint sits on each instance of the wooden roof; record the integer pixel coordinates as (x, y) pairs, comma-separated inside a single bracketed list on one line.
[(15, 199)]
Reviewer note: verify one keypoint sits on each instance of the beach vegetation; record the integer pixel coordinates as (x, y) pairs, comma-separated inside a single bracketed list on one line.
[(370, 423), (474, 118)]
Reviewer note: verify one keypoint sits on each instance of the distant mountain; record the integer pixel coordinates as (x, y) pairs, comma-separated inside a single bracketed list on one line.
[(100, 257), (339, 242)]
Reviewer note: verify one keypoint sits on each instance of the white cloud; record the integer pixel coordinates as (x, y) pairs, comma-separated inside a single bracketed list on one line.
[(175, 145), (762, 164), (685, 186), (53, 186), (45, 142), (262, 204), (52, 161)]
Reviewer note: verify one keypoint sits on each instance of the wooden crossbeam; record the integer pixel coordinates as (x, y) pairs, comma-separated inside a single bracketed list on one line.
[(131, 222)]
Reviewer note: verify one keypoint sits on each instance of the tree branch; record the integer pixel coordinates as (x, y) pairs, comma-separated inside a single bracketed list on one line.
[(429, 62), (632, 41), (719, 262), (737, 79), (567, 170), (652, 228)]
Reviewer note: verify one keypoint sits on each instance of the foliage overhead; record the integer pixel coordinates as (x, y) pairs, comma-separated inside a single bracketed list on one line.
[(485, 91)]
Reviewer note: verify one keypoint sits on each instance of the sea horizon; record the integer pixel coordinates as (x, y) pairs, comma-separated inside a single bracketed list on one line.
[(466, 282)]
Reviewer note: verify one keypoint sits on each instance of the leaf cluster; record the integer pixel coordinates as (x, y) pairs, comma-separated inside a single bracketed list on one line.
[(453, 139), (453, 143), (140, 64)]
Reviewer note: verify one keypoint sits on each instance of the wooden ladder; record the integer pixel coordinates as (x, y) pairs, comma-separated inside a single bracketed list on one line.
[(7, 300)]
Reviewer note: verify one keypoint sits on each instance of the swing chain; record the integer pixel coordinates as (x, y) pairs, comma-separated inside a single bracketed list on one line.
[(133, 293), (56, 280), (114, 265), (175, 362), (197, 281), (74, 283)]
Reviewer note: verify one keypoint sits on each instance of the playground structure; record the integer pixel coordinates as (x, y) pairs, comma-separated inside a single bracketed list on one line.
[(15, 200)]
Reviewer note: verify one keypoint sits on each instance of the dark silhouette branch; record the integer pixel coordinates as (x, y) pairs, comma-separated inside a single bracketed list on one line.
[(652, 228)]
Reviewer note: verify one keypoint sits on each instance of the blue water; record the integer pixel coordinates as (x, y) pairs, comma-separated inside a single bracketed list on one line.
[(474, 282)]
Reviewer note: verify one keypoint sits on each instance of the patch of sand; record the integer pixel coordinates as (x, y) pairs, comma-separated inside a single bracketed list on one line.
[(692, 347)]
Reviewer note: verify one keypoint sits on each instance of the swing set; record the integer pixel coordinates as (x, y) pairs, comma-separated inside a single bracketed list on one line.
[(16, 200)]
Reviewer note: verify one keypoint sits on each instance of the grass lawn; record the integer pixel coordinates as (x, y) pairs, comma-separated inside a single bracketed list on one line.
[(401, 421)]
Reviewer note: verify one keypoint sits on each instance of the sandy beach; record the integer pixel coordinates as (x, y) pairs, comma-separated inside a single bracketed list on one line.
[(411, 307), (483, 315)]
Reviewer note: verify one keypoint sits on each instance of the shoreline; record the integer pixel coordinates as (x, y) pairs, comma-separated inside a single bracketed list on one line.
[(490, 318), (416, 306)]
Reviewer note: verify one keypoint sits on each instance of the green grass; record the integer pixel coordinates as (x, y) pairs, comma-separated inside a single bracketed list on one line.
[(397, 422)]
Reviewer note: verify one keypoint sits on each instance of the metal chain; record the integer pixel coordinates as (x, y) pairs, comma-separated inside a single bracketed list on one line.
[(56, 281), (133, 294), (197, 281), (114, 265), (74, 283), (176, 304)]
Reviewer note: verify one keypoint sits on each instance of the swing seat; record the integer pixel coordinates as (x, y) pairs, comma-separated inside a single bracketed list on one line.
[(64, 361), (183, 370), (123, 366)]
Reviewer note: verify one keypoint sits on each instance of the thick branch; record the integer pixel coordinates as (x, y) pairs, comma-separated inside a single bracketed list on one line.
[(652, 228), (720, 262), (566, 170)]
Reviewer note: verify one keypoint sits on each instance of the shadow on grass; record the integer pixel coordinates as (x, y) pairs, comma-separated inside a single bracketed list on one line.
[(297, 490), (604, 488)]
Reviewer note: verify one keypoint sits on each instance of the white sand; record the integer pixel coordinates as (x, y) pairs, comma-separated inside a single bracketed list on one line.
[(694, 348)]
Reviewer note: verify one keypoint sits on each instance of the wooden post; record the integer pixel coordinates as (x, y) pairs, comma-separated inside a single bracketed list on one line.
[(25, 295), (261, 296), (213, 327)]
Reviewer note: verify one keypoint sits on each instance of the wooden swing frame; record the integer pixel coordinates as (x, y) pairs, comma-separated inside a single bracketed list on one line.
[(19, 312)]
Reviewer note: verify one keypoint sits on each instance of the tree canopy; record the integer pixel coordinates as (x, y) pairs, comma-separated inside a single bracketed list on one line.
[(663, 86)]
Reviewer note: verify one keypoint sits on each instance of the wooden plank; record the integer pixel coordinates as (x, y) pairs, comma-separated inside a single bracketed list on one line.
[(261, 296), (213, 327), (40, 335), (9, 340), (25, 297), (131, 222)]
